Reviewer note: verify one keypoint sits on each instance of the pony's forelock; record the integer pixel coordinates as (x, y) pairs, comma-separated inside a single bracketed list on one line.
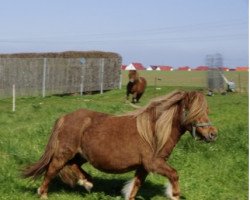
[(197, 109)]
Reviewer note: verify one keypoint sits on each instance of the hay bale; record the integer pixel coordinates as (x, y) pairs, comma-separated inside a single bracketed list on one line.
[(64, 72), (65, 54)]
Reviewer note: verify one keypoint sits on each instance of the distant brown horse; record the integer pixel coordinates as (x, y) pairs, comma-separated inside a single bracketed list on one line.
[(136, 86), (141, 141)]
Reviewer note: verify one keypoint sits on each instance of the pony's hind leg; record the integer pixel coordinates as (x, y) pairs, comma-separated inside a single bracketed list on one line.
[(73, 174), (131, 188), (84, 179), (56, 164)]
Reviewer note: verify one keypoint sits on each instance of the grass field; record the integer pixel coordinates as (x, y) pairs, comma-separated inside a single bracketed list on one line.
[(188, 79), (208, 171)]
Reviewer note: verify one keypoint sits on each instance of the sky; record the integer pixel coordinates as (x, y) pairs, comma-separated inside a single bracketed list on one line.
[(161, 32)]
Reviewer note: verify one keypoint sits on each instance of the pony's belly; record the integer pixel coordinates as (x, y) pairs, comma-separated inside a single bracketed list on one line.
[(114, 167), (113, 162)]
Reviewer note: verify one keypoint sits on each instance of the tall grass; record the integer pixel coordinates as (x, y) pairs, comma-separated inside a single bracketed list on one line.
[(208, 171)]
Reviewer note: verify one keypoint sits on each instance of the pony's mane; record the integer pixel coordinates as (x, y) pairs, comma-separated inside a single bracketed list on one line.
[(197, 109), (154, 121)]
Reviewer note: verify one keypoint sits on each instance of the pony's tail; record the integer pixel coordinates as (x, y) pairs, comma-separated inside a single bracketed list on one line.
[(37, 169)]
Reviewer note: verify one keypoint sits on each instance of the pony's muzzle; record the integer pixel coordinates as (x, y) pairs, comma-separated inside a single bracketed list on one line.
[(212, 135), (208, 135)]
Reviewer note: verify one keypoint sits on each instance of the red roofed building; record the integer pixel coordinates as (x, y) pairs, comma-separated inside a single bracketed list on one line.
[(226, 69), (135, 66), (123, 67), (160, 68), (242, 68), (202, 68), (184, 68), (151, 67), (164, 68)]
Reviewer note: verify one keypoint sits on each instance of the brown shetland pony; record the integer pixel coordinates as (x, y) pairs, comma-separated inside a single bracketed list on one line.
[(141, 141), (136, 86)]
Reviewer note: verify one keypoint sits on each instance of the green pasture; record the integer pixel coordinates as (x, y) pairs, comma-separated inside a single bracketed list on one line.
[(188, 79), (208, 171)]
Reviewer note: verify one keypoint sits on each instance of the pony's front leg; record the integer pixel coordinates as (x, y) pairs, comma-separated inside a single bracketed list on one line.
[(134, 99), (131, 188), (173, 190), (129, 88), (127, 95)]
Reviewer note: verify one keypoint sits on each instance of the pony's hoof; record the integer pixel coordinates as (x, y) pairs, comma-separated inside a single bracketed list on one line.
[(169, 193), (86, 184), (42, 195)]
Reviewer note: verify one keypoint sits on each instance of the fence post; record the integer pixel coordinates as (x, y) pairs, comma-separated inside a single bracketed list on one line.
[(101, 76), (120, 81), (82, 62), (13, 98), (239, 82), (44, 76)]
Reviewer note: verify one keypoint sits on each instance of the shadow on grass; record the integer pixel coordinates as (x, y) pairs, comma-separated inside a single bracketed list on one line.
[(108, 187)]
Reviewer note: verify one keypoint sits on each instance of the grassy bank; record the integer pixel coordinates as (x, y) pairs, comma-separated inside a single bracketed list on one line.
[(207, 171)]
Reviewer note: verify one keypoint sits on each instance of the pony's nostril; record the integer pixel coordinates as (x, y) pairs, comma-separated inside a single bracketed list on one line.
[(213, 135)]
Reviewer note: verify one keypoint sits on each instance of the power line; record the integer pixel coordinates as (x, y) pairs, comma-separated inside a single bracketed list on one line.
[(204, 38), (209, 26)]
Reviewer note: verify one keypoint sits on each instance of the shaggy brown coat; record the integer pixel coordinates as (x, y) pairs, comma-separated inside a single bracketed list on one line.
[(141, 141)]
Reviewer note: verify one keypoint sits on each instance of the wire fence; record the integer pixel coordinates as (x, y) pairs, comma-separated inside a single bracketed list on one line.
[(47, 76)]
